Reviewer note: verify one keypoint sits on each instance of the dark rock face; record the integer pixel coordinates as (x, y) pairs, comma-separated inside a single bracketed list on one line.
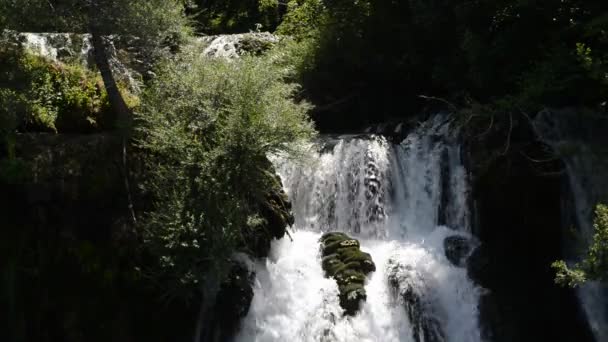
[(457, 249), (348, 265), (67, 222), (232, 303), (409, 288), (275, 210), (520, 231)]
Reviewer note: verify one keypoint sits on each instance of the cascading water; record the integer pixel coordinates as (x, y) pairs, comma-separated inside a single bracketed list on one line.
[(578, 139), (392, 198)]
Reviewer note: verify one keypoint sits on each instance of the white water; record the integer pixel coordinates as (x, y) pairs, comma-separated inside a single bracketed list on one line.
[(390, 197), (228, 45), (588, 184), (75, 48)]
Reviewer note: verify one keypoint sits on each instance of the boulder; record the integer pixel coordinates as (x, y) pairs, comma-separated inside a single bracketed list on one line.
[(274, 210), (232, 303), (232, 46), (410, 289), (457, 249), (348, 265)]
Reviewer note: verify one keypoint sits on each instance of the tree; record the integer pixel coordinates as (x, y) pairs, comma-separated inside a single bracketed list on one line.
[(207, 127), (236, 16), (483, 50), (595, 264)]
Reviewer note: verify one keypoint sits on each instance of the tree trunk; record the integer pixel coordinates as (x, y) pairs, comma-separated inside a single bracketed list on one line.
[(120, 108), (124, 117)]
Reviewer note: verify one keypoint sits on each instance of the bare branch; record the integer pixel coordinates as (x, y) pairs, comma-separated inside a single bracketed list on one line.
[(487, 129), (508, 144), (452, 106), (548, 160)]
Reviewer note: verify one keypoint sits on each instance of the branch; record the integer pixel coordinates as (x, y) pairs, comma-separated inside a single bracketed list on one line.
[(452, 106), (487, 129), (538, 160), (337, 102), (50, 5), (508, 144), (287, 231)]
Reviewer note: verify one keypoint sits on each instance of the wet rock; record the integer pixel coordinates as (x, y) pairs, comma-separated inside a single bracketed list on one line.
[(457, 249), (276, 216), (235, 45), (479, 267), (232, 302), (409, 288), (348, 265)]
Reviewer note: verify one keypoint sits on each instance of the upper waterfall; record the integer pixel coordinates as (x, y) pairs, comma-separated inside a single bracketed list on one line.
[(402, 202)]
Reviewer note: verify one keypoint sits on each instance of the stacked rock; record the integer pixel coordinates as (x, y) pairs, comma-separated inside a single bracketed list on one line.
[(348, 265)]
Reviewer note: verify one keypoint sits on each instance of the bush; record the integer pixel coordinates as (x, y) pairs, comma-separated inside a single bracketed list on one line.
[(303, 18), (595, 264), (50, 96), (208, 126)]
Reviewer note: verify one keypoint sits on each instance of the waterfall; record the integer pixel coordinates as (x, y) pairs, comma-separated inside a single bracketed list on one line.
[(578, 139), (402, 202)]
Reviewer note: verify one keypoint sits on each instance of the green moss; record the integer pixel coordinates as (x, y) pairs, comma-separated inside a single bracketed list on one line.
[(351, 287), (332, 247), (348, 265), (329, 238), (349, 277)]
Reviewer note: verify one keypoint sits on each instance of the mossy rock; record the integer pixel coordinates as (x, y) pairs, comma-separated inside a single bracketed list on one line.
[(332, 247), (351, 296), (330, 261), (333, 237), (348, 265), (349, 277)]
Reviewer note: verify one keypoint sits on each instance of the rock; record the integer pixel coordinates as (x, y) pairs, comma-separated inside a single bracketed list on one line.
[(235, 45), (275, 212), (479, 267), (76, 48), (348, 265), (410, 289), (232, 302), (351, 296), (457, 249)]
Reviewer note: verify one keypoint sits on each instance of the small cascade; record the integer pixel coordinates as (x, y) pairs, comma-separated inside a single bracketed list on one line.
[(402, 202), (74, 48), (580, 140), (234, 45)]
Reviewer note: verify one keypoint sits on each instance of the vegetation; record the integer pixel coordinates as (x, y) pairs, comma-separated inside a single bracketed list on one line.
[(594, 266), (378, 57), (208, 126), (156, 23), (41, 95), (203, 128), (236, 16)]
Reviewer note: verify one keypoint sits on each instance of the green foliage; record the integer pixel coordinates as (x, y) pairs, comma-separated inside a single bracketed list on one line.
[(157, 24), (565, 77), (303, 18), (595, 264), (541, 54), (236, 16), (208, 126), (41, 95)]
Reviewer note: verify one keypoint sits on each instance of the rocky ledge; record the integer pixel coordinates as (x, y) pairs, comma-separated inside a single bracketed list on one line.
[(348, 265)]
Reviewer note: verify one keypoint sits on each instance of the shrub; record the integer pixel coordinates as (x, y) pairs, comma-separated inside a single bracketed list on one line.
[(208, 126), (595, 264), (303, 18), (50, 96)]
